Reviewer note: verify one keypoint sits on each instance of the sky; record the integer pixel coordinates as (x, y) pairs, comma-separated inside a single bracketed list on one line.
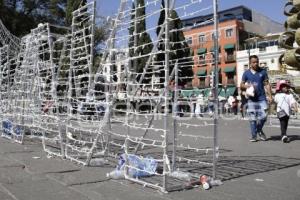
[(270, 8)]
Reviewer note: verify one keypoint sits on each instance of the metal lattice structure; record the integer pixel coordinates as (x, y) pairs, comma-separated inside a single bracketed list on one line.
[(49, 90), (6, 38)]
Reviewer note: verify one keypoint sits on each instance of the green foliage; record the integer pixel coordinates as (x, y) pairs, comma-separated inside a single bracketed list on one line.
[(71, 6), (143, 40), (20, 16), (57, 10), (179, 48)]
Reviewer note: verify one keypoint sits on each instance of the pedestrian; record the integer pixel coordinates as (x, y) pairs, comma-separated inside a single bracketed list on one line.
[(234, 106), (211, 104), (243, 107), (200, 105), (254, 81), (285, 104), (230, 101)]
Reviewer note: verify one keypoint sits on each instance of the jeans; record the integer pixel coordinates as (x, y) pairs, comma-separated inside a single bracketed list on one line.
[(257, 115), (211, 106)]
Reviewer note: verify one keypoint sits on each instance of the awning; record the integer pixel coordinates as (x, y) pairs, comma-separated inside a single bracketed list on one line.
[(222, 92), (201, 72), (229, 69), (187, 93), (230, 91), (201, 51), (197, 91), (211, 70), (206, 92), (229, 46)]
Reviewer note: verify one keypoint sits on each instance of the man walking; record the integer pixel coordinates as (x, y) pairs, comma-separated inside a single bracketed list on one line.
[(254, 81)]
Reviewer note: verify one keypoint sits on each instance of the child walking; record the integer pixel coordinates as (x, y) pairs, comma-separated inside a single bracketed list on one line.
[(285, 104)]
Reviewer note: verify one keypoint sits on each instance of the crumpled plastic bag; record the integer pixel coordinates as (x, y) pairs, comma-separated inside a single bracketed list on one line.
[(138, 167), (7, 127), (250, 91)]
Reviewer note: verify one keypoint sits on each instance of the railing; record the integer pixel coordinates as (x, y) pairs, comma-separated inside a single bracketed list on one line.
[(202, 84), (202, 62), (230, 58), (231, 82)]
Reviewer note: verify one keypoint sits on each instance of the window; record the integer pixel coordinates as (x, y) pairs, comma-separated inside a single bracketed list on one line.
[(246, 67), (201, 59), (189, 40), (230, 55), (202, 38), (229, 32), (202, 82)]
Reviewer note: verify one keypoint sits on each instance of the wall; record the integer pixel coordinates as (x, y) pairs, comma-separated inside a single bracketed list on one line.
[(208, 44)]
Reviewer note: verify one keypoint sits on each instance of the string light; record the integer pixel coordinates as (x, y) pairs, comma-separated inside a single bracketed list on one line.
[(50, 88)]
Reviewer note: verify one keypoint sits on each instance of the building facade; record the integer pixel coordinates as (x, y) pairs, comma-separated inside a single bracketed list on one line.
[(268, 51), (201, 41), (236, 25)]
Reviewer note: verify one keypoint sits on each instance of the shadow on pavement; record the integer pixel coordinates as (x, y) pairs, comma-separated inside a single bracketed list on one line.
[(278, 137)]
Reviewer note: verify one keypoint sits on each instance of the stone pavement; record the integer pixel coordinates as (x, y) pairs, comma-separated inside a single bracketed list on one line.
[(262, 170)]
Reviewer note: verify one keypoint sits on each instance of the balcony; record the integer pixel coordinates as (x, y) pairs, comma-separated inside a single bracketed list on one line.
[(231, 82), (211, 58), (230, 58), (201, 62), (202, 84)]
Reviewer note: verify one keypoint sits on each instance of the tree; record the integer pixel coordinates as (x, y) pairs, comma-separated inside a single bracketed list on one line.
[(1, 5), (20, 16), (57, 10), (143, 44), (71, 6), (179, 48)]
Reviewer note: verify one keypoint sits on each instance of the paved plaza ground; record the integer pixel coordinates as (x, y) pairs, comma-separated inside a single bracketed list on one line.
[(251, 171)]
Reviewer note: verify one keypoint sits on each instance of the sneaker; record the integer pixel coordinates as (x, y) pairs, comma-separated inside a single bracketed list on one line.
[(253, 140), (262, 136), (285, 139)]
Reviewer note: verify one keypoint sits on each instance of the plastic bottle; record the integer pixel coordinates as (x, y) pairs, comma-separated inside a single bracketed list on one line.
[(181, 175), (215, 182), (97, 162), (116, 174)]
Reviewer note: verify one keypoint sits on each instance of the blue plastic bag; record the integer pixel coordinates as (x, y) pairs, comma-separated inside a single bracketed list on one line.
[(138, 167), (18, 130), (7, 127)]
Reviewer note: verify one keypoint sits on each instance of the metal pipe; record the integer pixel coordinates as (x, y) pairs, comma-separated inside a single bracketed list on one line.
[(166, 85), (174, 118), (216, 82), (135, 67)]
